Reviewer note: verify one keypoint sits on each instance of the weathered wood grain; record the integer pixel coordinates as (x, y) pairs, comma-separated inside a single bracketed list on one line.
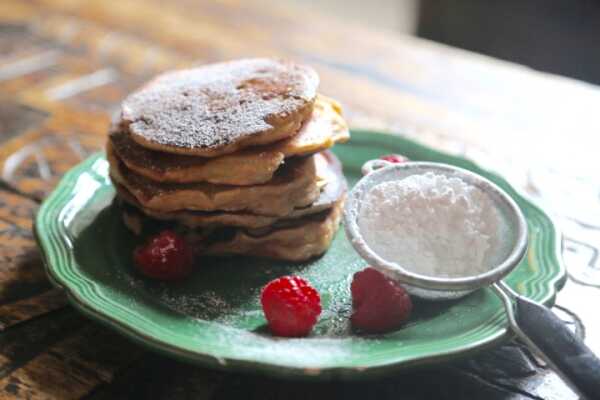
[(31, 307), (72, 367), (21, 269), (22, 273), (17, 211), (33, 163), (155, 377), (66, 64), (25, 341)]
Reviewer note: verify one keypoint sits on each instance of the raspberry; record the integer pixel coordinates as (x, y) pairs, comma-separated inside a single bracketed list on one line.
[(291, 306), (394, 158), (165, 256), (380, 304)]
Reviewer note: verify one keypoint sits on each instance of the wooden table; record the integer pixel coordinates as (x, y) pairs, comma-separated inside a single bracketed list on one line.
[(65, 65)]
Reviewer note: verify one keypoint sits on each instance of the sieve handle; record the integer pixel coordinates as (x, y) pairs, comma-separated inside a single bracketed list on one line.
[(550, 338)]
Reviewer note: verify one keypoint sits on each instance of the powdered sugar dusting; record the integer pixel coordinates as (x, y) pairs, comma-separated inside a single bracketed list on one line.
[(197, 305), (214, 105), (205, 304), (311, 352), (431, 224)]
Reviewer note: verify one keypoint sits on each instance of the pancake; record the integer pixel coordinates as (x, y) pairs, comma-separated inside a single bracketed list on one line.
[(289, 239), (220, 108), (294, 185), (249, 166), (329, 172), (307, 238)]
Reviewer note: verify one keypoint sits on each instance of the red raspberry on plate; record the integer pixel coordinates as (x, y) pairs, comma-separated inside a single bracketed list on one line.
[(380, 304), (394, 158), (166, 256), (291, 306)]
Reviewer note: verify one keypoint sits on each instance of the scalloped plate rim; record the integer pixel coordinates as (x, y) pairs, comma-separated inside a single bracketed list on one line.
[(283, 370)]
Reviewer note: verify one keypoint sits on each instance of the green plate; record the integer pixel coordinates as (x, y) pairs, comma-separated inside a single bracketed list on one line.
[(215, 318)]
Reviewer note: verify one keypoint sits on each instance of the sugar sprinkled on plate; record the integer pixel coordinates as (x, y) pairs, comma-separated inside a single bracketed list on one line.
[(431, 224)]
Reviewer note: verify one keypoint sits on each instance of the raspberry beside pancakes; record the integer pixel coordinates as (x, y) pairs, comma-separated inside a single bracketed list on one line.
[(232, 153)]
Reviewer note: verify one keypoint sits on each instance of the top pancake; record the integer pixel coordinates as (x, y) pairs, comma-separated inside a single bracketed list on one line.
[(220, 108), (250, 166)]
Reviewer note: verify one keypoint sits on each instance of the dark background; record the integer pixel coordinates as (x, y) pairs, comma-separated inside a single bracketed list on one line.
[(559, 36)]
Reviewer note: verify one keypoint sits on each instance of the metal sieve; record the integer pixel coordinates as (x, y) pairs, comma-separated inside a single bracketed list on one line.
[(533, 323)]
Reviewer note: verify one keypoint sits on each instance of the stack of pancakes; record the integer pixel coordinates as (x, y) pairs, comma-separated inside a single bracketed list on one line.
[(234, 154)]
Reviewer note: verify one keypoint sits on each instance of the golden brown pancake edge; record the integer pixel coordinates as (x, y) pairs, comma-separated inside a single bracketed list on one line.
[(250, 166), (220, 108), (333, 190), (295, 185)]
